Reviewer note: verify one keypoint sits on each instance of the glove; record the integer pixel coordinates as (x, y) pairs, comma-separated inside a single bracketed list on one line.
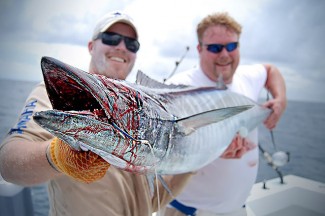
[(84, 166)]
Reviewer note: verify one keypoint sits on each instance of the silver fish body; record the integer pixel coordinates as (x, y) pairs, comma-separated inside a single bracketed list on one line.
[(168, 129)]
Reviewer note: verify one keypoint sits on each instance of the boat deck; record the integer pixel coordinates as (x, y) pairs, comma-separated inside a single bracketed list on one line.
[(297, 196)]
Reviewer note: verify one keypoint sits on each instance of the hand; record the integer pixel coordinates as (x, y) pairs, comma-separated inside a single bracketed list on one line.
[(238, 147), (84, 166), (278, 106)]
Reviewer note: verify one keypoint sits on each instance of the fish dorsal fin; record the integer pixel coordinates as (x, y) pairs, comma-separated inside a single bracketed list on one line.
[(145, 80), (191, 123)]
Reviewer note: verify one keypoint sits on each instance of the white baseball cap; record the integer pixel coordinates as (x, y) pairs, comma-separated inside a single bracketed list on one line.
[(111, 18)]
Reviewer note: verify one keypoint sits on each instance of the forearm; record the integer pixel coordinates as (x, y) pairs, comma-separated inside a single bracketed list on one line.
[(24, 163), (275, 83)]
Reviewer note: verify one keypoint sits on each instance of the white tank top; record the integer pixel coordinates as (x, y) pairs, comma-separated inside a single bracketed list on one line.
[(224, 185)]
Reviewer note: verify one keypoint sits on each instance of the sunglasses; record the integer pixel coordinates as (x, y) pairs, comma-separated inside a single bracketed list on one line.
[(113, 39), (217, 48)]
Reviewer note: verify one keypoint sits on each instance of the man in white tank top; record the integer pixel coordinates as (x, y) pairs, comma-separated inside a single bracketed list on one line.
[(221, 188)]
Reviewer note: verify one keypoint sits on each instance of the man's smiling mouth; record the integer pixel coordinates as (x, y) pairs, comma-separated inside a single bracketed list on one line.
[(118, 59)]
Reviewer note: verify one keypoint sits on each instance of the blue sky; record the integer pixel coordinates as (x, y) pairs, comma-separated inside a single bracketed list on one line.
[(289, 34)]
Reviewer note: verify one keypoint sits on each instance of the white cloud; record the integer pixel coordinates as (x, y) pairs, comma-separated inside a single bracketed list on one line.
[(23, 61), (288, 34)]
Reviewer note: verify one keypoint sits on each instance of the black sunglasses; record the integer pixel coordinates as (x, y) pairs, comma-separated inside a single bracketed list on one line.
[(217, 48), (113, 39)]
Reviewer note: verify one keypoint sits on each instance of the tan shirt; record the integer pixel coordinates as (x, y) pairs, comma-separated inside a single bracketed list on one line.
[(118, 193)]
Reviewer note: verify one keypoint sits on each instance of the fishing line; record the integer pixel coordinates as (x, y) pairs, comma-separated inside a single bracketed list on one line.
[(177, 63), (146, 142), (156, 176), (155, 159), (271, 131)]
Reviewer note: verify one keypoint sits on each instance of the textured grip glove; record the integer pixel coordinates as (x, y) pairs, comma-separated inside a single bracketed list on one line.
[(84, 166)]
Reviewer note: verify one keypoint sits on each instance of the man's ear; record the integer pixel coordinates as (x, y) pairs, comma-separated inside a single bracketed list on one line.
[(199, 47), (90, 46)]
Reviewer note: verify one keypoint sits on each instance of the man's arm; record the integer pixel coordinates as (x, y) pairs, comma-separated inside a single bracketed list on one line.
[(24, 162), (28, 163), (276, 86)]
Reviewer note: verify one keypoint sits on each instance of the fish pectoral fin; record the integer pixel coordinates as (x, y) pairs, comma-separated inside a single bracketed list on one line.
[(187, 130), (191, 123)]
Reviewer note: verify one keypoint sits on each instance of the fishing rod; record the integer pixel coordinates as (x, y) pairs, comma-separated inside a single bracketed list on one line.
[(177, 63), (278, 158)]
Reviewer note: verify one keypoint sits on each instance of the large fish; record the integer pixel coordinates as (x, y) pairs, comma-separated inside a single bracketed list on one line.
[(146, 126)]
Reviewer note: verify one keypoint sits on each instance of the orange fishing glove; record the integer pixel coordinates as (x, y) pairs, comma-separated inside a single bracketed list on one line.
[(84, 166)]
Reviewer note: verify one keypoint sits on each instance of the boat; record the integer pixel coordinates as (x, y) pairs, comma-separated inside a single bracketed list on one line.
[(290, 196)]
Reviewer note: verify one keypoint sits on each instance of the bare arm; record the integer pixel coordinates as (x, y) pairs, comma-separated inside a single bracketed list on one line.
[(24, 162), (276, 86)]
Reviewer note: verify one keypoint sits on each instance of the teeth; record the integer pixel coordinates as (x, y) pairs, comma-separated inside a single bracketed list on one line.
[(222, 64), (117, 59)]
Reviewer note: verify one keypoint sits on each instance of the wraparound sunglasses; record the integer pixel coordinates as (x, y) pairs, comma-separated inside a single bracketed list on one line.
[(113, 39), (217, 48)]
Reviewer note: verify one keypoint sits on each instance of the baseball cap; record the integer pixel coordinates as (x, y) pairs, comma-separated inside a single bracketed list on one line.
[(111, 18)]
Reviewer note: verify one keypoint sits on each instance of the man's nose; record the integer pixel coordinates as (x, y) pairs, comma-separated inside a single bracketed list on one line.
[(121, 45)]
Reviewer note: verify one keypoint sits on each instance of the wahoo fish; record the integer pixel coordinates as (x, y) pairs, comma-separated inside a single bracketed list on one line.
[(147, 126)]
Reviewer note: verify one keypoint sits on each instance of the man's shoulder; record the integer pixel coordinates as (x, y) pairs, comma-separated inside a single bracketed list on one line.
[(188, 72), (184, 77), (247, 68), (253, 71)]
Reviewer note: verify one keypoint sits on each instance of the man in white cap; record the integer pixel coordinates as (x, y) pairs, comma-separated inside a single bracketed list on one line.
[(30, 155)]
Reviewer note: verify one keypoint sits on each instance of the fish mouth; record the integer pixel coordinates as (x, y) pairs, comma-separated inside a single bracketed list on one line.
[(71, 89), (81, 102)]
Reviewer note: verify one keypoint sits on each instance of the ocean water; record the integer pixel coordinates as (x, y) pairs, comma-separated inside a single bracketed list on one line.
[(301, 132)]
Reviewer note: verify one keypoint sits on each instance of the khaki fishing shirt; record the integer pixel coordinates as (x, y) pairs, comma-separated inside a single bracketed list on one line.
[(117, 193)]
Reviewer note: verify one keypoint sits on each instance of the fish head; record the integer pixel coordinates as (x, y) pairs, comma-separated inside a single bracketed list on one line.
[(100, 101), (70, 88)]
